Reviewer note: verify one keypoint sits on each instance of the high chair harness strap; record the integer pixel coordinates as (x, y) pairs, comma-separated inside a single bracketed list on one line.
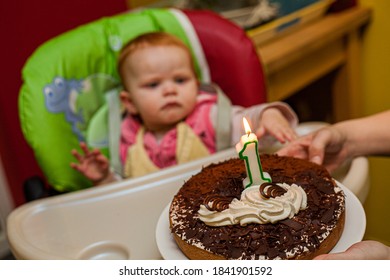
[(224, 109), (195, 43), (114, 121), (223, 133)]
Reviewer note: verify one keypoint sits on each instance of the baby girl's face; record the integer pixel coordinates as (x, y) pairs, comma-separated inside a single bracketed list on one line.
[(162, 85)]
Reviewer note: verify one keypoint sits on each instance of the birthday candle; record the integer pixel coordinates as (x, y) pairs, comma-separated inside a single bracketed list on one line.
[(247, 150)]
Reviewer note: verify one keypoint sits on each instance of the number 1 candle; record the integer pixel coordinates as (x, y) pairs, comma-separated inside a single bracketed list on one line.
[(247, 149)]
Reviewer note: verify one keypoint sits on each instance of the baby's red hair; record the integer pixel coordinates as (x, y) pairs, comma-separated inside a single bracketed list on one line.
[(151, 39)]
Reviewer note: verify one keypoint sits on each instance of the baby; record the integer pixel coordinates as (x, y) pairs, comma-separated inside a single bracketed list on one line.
[(168, 119)]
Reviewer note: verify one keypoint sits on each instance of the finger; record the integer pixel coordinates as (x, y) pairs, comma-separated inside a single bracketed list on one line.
[(292, 150), (286, 151), (95, 152), (278, 136), (275, 132), (75, 166), (321, 257), (291, 135), (297, 148), (101, 158), (318, 146), (260, 132), (334, 256), (284, 135), (84, 147), (76, 154), (330, 166)]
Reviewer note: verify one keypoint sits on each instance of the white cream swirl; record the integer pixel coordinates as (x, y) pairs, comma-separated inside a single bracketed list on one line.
[(253, 208)]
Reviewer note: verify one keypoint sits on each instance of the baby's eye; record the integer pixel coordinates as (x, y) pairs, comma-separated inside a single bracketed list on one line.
[(152, 85), (180, 80)]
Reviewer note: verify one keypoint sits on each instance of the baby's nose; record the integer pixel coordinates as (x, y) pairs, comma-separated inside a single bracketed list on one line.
[(169, 88)]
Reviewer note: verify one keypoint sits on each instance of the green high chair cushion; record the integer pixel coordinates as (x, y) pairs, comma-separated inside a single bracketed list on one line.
[(65, 82)]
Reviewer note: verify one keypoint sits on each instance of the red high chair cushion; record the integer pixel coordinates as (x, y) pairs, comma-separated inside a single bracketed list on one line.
[(240, 75)]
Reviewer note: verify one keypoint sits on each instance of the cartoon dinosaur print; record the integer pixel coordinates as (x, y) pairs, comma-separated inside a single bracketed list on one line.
[(61, 96)]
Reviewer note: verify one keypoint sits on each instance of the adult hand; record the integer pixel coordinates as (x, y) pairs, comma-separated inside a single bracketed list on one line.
[(364, 250), (326, 146)]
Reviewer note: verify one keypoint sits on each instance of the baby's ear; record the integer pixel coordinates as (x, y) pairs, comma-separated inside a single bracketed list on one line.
[(127, 103)]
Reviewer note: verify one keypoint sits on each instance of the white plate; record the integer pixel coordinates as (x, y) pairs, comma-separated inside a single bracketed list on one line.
[(355, 226)]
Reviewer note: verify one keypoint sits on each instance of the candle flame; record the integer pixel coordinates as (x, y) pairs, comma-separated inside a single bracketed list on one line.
[(246, 126)]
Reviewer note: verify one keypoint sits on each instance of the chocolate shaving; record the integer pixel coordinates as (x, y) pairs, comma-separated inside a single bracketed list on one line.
[(261, 249), (236, 252), (217, 202), (268, 190), (314, 196), (292, 224), (190, 233), (328, 189), (328, 215), (273, 252)]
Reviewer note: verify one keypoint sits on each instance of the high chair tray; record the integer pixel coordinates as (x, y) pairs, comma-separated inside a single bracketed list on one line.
[(115, 221)]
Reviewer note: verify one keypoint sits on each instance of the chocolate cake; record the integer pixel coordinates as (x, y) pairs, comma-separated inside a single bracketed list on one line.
[(312, 230)]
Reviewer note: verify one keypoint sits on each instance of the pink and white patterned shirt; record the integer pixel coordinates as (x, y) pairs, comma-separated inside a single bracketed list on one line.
[(202, 120)]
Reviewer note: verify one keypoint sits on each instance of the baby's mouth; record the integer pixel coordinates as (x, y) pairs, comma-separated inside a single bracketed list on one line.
[(170, 105)]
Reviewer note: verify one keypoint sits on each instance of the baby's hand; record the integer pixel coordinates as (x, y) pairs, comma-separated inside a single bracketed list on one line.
[(274, 123), (92, 164)]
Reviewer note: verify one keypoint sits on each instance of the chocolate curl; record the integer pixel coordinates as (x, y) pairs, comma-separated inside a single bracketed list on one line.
[(217, 203), (268, 190)]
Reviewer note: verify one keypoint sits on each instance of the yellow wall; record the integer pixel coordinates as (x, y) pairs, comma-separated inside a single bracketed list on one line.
[(376, 93)]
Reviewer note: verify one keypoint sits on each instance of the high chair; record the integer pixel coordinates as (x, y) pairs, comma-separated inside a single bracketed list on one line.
[(68, 83)]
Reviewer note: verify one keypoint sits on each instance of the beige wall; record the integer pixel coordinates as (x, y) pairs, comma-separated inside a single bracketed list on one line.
[(376, 92)]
